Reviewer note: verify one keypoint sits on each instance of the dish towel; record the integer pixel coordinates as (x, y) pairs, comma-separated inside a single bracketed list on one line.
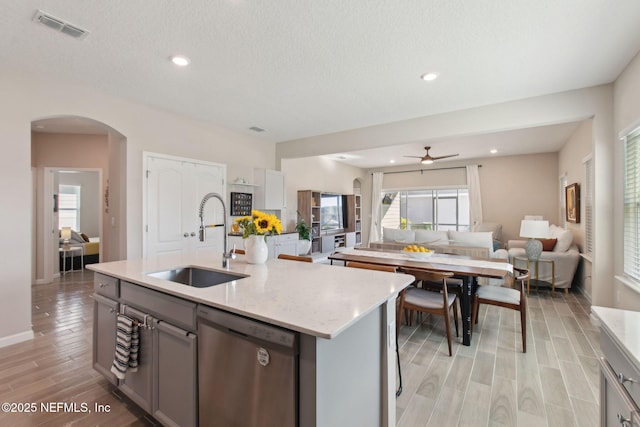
[(127, 346)]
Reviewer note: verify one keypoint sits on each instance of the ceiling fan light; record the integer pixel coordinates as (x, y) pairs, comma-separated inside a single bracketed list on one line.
[(427, 162)]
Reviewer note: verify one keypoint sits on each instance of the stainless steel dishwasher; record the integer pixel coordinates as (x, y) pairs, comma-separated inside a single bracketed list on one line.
[(247, 372)]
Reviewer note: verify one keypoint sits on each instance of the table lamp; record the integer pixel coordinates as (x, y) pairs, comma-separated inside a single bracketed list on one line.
[(533, 230), (65, 234)]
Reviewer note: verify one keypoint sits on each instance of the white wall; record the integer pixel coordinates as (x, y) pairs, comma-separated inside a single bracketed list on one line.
[(316, 173), (626, 117), (145, 129)]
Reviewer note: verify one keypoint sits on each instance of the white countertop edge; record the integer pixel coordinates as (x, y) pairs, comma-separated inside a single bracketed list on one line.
[(135, 271), (622, 327)]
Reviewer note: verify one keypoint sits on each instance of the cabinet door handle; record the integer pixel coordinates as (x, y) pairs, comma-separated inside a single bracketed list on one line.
[(193, 234), (625, 422), (622, 379), (186, 234)]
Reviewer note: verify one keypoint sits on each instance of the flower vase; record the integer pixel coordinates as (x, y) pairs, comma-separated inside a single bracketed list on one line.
[(256, 250)]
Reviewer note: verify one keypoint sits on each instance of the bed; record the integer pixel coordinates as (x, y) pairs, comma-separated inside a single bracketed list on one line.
[(90, 251)]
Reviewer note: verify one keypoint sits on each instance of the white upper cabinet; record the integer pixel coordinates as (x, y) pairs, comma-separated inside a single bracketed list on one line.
[(270, 190)]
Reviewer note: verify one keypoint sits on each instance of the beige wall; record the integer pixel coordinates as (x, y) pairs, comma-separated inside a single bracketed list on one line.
[(511, 186), (596, 103), (72, 151), (626, 117), (144, 128), (571, 164)]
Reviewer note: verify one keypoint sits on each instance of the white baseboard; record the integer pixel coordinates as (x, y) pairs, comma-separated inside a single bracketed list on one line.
[(16, 338)]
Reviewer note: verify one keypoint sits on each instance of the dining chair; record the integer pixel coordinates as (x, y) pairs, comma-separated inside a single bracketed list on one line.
[(508, 297), (389, 269), (295, 258), (426, 301)]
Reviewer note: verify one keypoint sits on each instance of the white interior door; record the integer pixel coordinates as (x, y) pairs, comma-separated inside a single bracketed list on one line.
[(174, 189)]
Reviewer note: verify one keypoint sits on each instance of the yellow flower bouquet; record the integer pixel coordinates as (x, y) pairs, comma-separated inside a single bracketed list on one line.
[(259, 223)]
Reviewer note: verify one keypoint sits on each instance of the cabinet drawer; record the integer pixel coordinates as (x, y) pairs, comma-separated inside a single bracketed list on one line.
[(289, 237), (616, 406), (622, 367), (166, 307), (106, 285)]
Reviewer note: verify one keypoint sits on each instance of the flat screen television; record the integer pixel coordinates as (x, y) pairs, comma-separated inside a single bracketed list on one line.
[(332, 213)]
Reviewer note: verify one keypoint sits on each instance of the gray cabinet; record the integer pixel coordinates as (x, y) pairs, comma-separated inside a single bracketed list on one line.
[(105, 311), (138, 384), (619, 386), (175, 375), (165, 383)]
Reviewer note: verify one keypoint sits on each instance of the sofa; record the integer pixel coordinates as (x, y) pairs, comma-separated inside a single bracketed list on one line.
[(560, 248), (471, 243)]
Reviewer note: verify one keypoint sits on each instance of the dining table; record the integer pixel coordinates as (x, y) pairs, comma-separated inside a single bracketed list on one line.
[(467, 268)]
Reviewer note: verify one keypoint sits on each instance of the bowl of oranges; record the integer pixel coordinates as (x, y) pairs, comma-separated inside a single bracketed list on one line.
[(417, 252)]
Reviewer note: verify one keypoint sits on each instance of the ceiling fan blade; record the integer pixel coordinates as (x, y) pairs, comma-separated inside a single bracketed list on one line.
[(444, 157), (415, 157)]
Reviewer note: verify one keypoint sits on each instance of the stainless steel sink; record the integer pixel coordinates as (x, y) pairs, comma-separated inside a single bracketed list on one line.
[(197, 277)]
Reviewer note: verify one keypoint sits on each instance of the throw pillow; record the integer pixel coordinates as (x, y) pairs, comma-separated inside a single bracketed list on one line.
[(548, 244), (565, 238), (433, 237), (479, 239), (85, 237), (397, 235)]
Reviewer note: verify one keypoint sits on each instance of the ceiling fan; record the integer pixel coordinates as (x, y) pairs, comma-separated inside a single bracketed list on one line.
[(427, 159)]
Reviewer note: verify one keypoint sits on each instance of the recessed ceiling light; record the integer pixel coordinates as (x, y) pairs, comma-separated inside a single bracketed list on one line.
[(428, 77), (181, 61), (392, 161), (493, 151)]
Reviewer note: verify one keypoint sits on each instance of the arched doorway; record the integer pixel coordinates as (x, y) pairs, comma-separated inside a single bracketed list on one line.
[(76, 144)]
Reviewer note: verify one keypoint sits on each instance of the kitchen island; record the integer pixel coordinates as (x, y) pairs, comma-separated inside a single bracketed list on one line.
[(343, 320)]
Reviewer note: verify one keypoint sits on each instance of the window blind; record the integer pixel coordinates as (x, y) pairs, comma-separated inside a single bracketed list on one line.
[(588, 206), (632, 204)]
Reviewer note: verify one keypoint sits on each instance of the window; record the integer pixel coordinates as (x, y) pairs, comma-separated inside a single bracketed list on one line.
[(69, 206), (441, 209), (588, 206), (631, 216)]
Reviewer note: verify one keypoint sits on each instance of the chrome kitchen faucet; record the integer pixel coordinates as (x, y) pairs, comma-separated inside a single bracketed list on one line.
[(226, 255)]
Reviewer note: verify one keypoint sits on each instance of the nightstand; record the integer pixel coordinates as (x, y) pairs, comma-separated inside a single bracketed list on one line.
[(73, 250), (534, 274)]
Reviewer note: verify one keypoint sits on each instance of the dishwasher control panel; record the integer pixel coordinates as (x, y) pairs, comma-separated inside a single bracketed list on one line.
[(248, 328)]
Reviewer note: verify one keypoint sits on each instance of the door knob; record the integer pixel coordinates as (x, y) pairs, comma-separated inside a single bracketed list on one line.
[(186, 234)]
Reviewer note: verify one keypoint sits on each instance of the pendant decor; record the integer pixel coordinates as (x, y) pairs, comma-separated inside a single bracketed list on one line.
[(256, 250)]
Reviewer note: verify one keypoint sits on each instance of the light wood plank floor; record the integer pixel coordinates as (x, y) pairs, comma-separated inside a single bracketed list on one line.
[(490, 383)]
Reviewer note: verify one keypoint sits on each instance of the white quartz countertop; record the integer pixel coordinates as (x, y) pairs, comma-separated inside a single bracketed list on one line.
[(622, 325), (316, 299)]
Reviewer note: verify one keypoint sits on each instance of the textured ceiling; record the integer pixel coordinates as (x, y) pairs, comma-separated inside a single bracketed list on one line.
[(299, 68)]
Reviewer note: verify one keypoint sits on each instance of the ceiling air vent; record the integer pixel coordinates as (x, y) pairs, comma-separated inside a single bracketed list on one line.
[(59, 25)]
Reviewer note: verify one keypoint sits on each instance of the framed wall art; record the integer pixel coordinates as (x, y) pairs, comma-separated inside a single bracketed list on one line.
[(572, 202)]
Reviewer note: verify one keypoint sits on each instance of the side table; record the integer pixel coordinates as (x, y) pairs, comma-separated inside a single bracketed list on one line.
[(537, 282), (73, 250)]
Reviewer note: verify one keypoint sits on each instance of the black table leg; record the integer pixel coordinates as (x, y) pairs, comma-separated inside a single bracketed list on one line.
[(469, 285)]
